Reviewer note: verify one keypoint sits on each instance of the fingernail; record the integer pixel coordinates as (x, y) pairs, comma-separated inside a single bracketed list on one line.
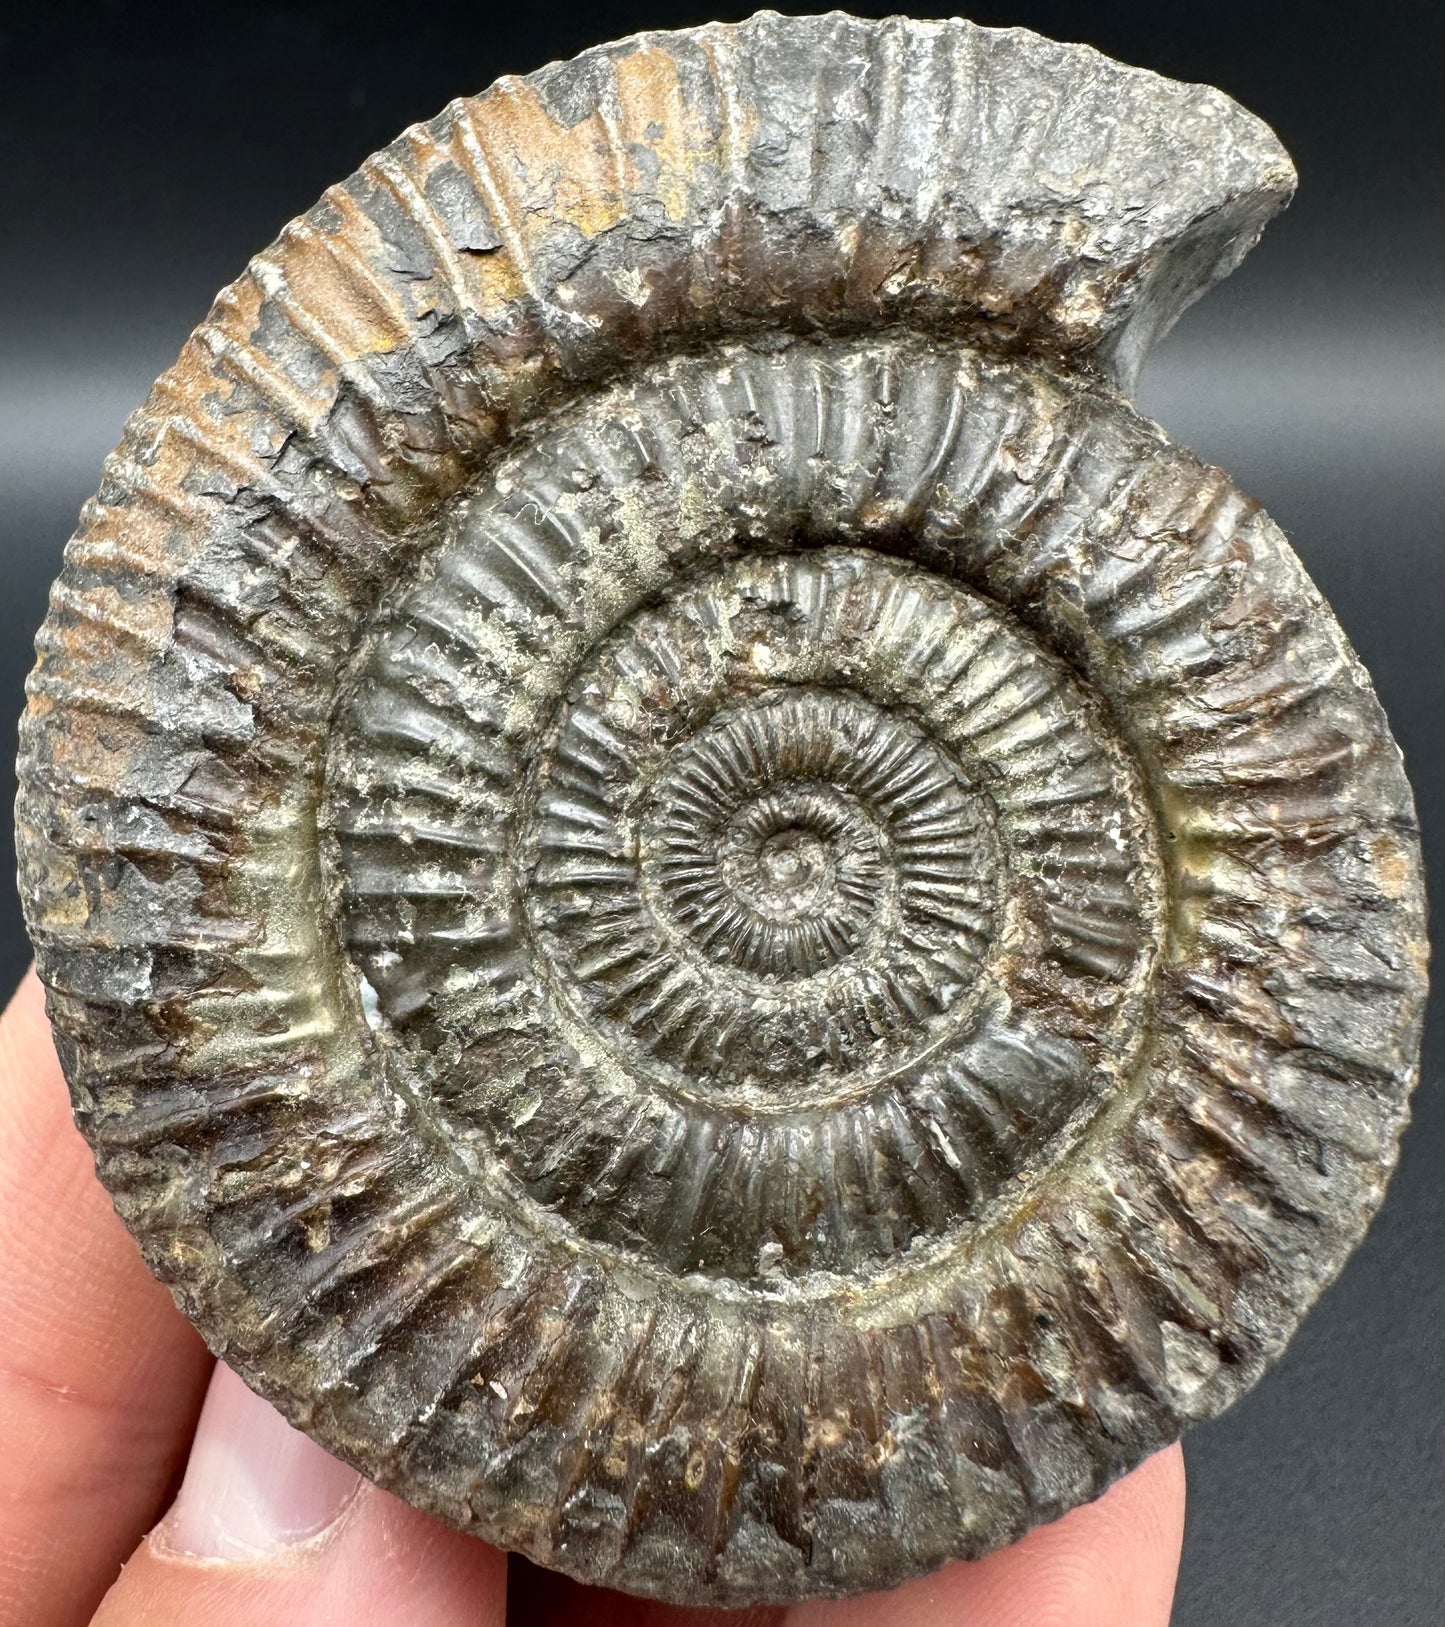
[(253, 1485)]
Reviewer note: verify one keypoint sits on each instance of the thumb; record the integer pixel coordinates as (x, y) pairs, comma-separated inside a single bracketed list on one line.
[(269, 1531)]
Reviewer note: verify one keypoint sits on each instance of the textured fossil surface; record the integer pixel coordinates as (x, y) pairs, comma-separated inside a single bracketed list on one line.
[(702, 904)]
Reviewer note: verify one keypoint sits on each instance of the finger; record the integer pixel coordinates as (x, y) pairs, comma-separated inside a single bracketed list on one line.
[(268, 1531), (1111, 1563), (100, 1377)]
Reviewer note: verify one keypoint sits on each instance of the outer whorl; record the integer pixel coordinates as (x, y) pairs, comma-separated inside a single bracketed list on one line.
[(706, 908)]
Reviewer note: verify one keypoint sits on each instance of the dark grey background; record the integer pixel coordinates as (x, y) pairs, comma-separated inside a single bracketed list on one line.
[(147, 151)]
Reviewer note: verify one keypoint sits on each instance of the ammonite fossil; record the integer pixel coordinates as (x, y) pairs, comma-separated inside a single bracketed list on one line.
[(703, 905)]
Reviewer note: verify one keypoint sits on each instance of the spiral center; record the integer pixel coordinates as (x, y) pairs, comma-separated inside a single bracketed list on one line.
[(787, 886), (788, 874)]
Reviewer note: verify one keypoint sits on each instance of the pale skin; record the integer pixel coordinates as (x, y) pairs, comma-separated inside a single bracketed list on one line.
[(123, 1505)]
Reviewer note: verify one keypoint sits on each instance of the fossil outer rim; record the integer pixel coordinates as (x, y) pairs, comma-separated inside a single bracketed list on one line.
[(1037, 217)]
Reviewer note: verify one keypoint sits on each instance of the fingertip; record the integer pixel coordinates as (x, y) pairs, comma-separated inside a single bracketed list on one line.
[(29, 991), (269, 1530), (253, 1485), (1109, 1563), (100, 1377), (1161, 1484), (26, 1046)]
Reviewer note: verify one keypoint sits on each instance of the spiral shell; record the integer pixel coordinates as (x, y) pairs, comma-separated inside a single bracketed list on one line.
[(702, 904)]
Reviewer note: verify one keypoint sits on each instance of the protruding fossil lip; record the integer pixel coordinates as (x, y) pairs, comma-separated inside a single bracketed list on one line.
[(1013, 221), (1075, 203)]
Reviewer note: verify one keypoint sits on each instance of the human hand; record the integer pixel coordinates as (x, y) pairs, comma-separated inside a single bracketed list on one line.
[(101, 1418)]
